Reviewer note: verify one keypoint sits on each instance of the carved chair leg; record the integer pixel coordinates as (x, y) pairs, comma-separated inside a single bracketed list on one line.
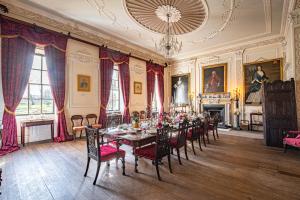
[(97, 172), (203, 137), (157, 170), (172, 152), (87, 166), (169, 162), (285, 148), (214, 134), (217, 132), (207, 137), (80, 134), (136, 164), (185, 151), (123, 165), (108, 163), (200, 143), (178, 155), (193, 147)]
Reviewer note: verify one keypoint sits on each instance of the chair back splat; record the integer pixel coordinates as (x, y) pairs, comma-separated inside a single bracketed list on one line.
[(162, 148), (92, 143)]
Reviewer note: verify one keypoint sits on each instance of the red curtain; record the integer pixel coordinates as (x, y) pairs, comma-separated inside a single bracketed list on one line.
[(108, 58), (12, 29), (106, 71), (55, 60), (160, 81), (125, 86), (154, 70), (17, 57)]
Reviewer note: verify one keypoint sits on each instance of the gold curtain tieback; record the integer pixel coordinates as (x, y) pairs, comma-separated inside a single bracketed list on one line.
[(103, 107), (8, 111), (60, 111)]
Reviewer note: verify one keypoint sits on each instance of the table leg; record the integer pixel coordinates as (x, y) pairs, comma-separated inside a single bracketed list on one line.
[(23, 136), (52, 132)]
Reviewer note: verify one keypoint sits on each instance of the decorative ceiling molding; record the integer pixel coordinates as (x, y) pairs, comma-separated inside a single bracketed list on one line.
[(227, 18), (243, 47), (185, 18), (80, 31)]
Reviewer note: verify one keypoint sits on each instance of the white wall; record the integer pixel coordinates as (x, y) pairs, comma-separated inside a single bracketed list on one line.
[(235, 61), (81, 59), (138, 73)]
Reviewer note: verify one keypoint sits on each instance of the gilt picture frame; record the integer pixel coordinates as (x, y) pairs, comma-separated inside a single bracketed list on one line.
[(137, 87), (255, 73), (180, 89), (214, 79), (83, 83)]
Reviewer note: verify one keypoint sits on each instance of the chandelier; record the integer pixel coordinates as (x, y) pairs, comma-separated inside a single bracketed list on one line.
[(169, 44)]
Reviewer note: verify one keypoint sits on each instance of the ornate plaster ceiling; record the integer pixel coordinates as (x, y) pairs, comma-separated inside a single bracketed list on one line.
[(186, 16), (227, 23)]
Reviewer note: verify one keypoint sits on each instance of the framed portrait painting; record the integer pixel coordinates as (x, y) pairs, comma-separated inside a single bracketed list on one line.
[(180, 89), (137, 87), (83, 83), (255, 74), (214, 79)]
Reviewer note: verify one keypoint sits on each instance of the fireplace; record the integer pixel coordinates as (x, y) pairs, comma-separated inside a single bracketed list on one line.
[(214, 109)]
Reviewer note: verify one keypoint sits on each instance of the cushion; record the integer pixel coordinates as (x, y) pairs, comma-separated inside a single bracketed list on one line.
[(78, 128), (109, 152), (97, 125), (146, 152), (295, 142), (173, 142)]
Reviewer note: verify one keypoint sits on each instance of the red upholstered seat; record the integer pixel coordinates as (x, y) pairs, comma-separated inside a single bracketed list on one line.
[(109, 152), (189, 134), (173, 142), (146, 152), (295, 142)]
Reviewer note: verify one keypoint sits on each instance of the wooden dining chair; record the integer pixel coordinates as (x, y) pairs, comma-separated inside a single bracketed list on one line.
[(156, 151), (101, 151), (179, 141), (143, 115), (205, 130), (194, 134), (213, 125), (92, 120), (77, 125)]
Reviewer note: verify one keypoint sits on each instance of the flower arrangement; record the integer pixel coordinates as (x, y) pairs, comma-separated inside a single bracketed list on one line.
[(135, 121)]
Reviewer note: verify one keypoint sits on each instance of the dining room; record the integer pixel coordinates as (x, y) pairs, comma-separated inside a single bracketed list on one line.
[(134, 99)]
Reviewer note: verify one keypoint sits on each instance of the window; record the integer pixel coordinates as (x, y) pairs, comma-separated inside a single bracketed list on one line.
[(114, 98), (37, 98), (155, 98)]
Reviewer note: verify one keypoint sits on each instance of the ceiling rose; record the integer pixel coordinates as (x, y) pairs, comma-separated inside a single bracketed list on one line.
[(186, 15)]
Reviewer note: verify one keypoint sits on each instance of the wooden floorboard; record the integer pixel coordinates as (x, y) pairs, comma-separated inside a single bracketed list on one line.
[(232, 168)]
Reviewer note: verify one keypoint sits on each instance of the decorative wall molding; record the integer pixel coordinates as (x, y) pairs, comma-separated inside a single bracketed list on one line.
[(261, 43), (80, 31), (83, 56)]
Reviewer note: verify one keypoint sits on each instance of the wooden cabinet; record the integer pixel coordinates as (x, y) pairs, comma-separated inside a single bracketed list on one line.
[(279, 111)]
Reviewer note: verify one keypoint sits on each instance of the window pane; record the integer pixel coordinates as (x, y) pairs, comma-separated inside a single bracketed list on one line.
[(44, 63), (116, 105), (115, 95), (47, 92), (115, 75), (47, 106), (109, 105), (37, 62), (35, 106), (35, 77), (35, 91), (22, 108), (25, 95), (45, 79), (115, 85)]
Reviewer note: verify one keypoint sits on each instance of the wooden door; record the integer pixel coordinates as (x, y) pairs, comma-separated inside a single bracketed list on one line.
[(279, 111)]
